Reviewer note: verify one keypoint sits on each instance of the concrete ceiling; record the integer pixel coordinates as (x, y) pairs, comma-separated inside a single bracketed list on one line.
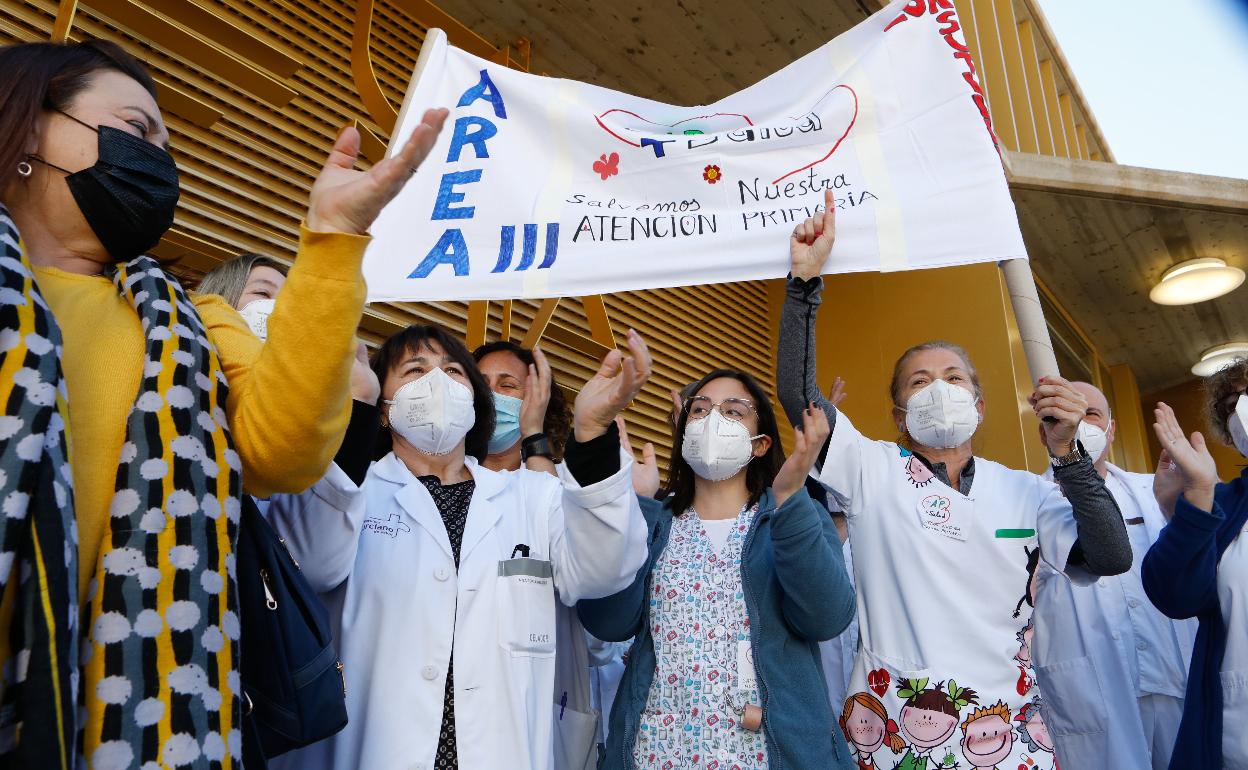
[(1100, 236), (683, 52)]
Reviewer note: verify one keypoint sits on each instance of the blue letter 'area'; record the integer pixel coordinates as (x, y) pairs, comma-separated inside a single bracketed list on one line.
[(449, 250), (448, 195), (486, 91), (465, 136)]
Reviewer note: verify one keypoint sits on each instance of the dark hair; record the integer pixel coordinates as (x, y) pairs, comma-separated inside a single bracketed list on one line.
[(935, 698), (229, 278), (413, 338), (558, 423), (49, 76), (686, 393), (761, 470), (894, 389), (1231, 379)]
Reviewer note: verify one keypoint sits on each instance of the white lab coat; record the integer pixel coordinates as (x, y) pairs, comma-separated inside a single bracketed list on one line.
[(400, 609), (606, 670), (575, 717), (1081, 656), (838, 655)]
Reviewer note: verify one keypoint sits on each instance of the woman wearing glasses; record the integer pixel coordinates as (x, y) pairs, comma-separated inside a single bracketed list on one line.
[(745, 577)]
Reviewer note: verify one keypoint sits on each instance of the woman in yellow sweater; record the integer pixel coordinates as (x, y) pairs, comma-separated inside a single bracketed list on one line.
[(135, 416)]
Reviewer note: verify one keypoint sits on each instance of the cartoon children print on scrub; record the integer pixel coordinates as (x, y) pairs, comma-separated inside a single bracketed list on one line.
[(988, 736), (917, 473), (1029, 594), (1031, 728), (929, 719), (867, 727), (1023, 658)]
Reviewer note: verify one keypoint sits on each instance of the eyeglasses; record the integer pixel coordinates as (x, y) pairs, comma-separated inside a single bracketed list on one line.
[(732, 408)]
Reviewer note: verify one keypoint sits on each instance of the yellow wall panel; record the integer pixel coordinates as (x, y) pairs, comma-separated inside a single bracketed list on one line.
[(1035, 89), (1053, 104), (992, 73), (1132, 442), (1188, 402), (1016, 77), (1068, 121)]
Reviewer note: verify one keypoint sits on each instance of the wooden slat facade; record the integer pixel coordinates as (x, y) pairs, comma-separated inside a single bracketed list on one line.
[(252, 115)]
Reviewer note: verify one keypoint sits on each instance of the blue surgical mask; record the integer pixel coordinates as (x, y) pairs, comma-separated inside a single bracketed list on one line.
[(506, 423)]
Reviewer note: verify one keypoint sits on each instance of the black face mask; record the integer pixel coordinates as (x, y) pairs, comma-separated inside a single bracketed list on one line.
[(128, 197)]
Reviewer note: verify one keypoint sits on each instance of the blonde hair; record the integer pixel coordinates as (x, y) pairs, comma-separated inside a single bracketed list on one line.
[(997, 709), (229, 278), (894, 390)]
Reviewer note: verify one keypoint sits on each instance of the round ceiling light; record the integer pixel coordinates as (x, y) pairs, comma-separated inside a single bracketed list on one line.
[(1214, 359), (1196, 280)]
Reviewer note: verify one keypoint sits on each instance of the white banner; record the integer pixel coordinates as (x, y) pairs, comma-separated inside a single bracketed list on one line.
[(542, 187)]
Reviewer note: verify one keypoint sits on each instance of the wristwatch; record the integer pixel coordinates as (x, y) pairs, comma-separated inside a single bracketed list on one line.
[(1071, 457), (536, 445)]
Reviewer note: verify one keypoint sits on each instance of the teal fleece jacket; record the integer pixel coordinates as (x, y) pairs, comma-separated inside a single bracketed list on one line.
[(796, 594)]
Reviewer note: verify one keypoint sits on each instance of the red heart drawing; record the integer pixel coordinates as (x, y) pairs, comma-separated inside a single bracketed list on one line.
[(607, 166), (937, 508), (1025, 682), (853, 119), (878, 681)]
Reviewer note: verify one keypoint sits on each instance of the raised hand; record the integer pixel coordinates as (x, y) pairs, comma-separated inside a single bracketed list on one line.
[(364, 384), (807, 441), (1195, 466), (536, 395), (837, 394), (1167, 484), (344, 200), (1054, 397), (811, 242), (678, 406), (617, 383), (645, 471)]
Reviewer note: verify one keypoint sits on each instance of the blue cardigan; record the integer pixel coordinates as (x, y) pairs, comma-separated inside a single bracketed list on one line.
[(796, 593), (1181, 578)]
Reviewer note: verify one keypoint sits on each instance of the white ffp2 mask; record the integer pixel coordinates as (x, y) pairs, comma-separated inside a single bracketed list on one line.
[(1237, 424), (716, 448), (942, 415), (433, 413), (1094, 439), (256, 313)]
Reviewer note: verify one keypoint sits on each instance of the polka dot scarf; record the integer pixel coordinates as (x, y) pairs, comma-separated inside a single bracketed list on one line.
[(159, 658), (38, 539)]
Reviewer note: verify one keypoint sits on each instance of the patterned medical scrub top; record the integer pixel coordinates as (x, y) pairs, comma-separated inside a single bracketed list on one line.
[(697, 619)]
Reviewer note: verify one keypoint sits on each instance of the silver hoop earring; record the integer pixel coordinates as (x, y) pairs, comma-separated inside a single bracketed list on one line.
[(24, 169)]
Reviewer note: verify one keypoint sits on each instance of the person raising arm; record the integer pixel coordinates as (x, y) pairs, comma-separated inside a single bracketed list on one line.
[(945, 543)]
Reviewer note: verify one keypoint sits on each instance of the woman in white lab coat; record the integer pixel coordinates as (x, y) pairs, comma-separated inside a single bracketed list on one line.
[(441, 575), (531, 426)]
